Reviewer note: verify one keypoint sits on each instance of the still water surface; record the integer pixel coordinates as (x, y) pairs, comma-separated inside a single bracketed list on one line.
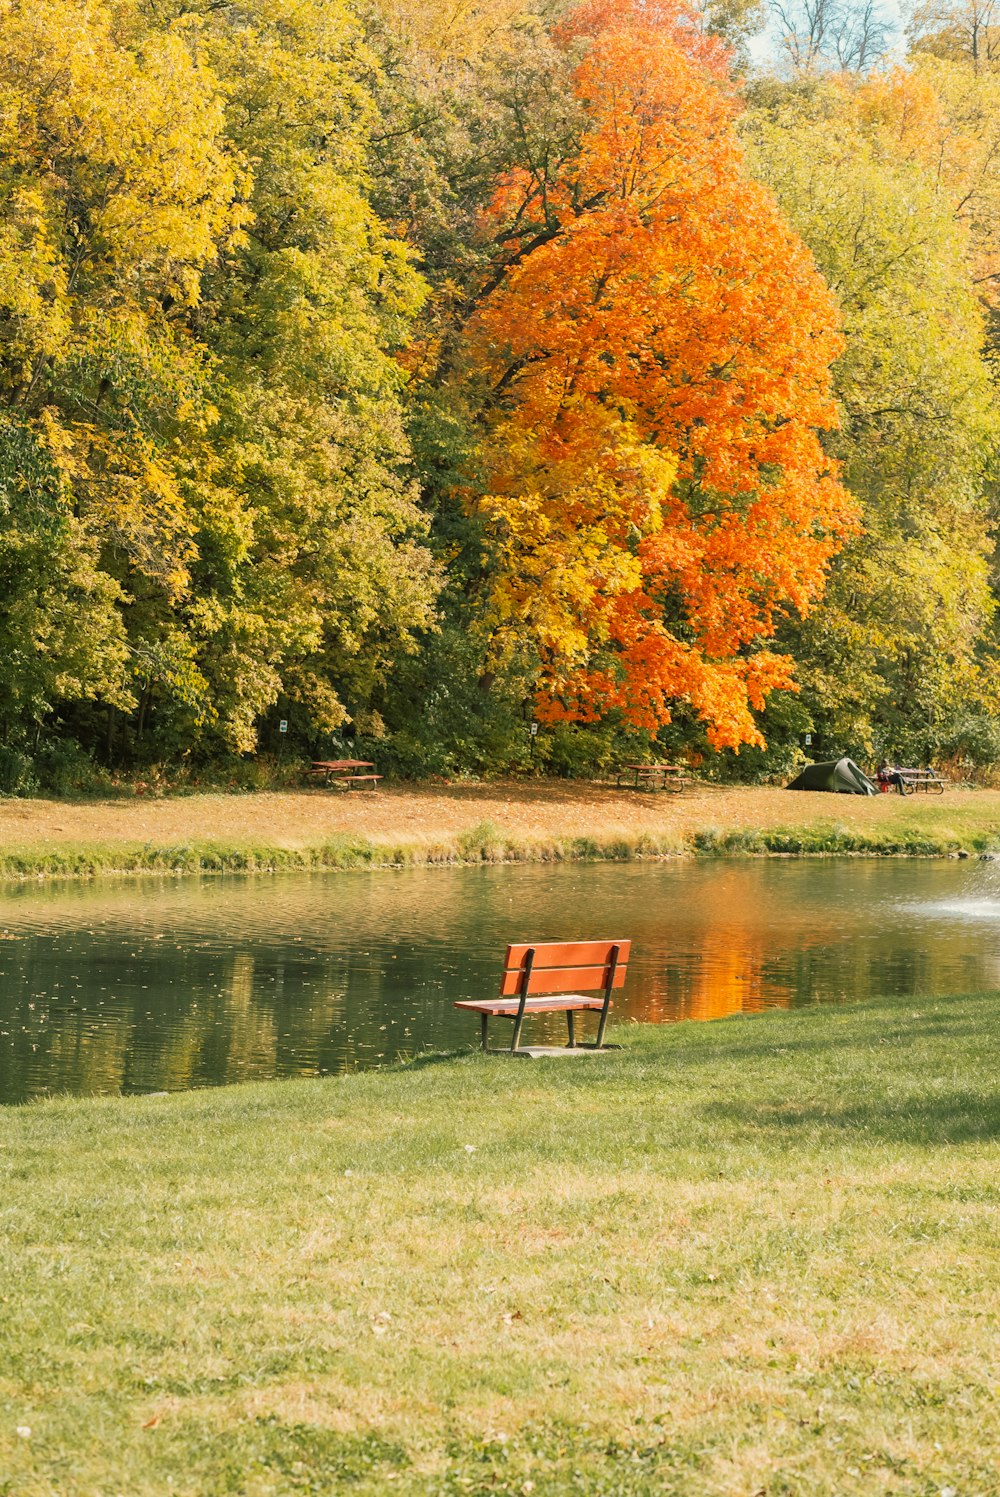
[(150, 985)]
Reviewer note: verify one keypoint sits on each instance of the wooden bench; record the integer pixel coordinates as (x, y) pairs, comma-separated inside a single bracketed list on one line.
[(543, 978)]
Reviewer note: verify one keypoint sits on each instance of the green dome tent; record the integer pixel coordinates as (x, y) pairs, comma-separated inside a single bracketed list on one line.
[(841, 776)]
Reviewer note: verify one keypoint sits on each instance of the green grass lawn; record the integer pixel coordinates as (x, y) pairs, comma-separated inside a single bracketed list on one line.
[(749, 1257)]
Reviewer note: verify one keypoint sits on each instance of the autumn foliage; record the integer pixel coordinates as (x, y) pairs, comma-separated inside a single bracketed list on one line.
[(392, 370), (657, 344), (946, 121)]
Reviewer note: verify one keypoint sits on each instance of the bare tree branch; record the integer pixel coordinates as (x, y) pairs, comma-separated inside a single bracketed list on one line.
[(851, 35)]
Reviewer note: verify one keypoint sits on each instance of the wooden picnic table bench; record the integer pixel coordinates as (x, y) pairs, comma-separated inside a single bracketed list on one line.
[(652, 776), (922, 779), (909, 781), (540, 978), (338, 772)]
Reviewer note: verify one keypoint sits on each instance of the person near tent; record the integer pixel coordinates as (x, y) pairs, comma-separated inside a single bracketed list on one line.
[(888, 776)]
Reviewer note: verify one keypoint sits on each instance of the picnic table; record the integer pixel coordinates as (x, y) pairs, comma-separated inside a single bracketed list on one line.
[(652, 776), (908, 781), (346, 772)]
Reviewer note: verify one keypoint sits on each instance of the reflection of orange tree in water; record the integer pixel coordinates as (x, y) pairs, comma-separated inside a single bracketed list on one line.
[(730, 978), (726, 976), (727, 971), (738, 937)]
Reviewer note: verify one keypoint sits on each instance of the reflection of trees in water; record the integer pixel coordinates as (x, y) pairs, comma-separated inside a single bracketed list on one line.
[(48, 1045), (729, 977), (155, 986), (733, 980), (251, 1027), (742, 969), (75, 1055), (258, 1025), (755, 936), (162, 1037)]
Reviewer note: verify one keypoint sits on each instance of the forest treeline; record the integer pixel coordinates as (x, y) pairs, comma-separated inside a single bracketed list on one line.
[(409, 373)]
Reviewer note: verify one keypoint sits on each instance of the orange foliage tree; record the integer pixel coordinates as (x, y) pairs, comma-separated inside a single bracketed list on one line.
[(656, 344)]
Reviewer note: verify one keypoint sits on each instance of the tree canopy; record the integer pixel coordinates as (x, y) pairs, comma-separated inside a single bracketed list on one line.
[(895, 646), (201, 315), (655, 345), (407, 371)]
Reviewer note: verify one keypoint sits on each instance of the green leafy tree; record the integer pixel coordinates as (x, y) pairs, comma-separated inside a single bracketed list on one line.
[(312, 574), (200, 313), (116, 190), (896, 648), (464, 96)]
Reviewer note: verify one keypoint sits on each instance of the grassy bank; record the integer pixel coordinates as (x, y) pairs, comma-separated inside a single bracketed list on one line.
[(748, 1257), (410, 826), (483, 842)]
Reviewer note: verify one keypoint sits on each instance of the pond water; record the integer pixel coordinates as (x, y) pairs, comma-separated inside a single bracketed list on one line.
[(153, 985)]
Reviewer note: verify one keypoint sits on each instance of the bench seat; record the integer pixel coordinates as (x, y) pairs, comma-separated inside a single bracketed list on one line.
[(563, 1004)]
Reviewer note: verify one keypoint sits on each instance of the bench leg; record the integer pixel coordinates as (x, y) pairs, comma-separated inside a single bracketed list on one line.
[(571, 1042), (485, 1019), (601, 1027)]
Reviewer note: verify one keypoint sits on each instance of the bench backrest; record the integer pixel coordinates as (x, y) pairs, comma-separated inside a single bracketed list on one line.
[(564, 966)]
